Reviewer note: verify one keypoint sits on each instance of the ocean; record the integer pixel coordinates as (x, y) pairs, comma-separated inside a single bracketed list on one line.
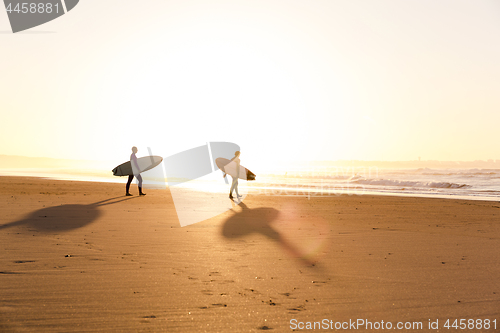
[(471, 183), (322, 179)]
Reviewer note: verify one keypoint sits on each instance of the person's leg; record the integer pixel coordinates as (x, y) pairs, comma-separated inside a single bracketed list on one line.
[(139, 178), (236, 188), (130, 177), (235, 182)]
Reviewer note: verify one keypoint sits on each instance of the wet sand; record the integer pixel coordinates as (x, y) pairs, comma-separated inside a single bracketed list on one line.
[(80, 256)]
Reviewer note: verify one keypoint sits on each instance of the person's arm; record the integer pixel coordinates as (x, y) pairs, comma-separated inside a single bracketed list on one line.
[(228, 163), (238, 168), (134, 160)]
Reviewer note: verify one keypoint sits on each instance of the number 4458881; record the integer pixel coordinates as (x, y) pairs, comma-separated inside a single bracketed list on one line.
[(478, 324), (33, 8)]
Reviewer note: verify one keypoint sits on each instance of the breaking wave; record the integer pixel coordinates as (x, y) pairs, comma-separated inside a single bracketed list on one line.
[(403, 183)]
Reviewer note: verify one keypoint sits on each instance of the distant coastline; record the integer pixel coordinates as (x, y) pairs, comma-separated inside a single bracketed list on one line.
[(14, 161)]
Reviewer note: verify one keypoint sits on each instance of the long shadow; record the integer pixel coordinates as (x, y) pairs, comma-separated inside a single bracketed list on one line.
[(63, 217), (259, 220)]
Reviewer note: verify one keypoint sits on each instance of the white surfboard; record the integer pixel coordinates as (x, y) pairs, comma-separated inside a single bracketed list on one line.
[(229, 167)]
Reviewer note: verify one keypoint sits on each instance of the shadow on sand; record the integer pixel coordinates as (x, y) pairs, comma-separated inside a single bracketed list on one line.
[(63, 217), (259, 220)]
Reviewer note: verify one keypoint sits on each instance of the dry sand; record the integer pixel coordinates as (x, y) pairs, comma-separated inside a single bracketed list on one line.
[(80, 256)]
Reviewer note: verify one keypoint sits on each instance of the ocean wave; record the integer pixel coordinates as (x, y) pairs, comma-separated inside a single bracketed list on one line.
[(406, 183)]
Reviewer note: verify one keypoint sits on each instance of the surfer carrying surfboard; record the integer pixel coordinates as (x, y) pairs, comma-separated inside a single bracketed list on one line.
[(234, 185), (136, 173)]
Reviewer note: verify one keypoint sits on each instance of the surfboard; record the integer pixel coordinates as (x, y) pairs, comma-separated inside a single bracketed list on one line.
[(145, 163), (229, 167)]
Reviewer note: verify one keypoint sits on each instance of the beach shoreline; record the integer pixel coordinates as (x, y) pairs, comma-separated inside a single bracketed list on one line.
[(80, 256), (301, 190)]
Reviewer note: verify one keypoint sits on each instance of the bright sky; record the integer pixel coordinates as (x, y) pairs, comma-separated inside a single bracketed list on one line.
[(286, 80)]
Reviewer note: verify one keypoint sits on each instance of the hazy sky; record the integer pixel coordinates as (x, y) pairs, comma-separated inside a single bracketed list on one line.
[(286, 80)]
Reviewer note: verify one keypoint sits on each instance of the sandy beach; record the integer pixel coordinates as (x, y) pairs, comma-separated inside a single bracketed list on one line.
[(80, 256)]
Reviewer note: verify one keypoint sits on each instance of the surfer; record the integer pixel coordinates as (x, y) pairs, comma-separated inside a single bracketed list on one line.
[(234, 185), (136, 172)]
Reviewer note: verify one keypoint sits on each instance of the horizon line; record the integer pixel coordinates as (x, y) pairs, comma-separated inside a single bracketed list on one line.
[(490, 160)]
